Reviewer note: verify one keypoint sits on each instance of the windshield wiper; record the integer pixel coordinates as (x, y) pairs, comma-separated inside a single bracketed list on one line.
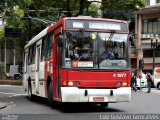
[(84, 33), (85, 55), (110, 37)]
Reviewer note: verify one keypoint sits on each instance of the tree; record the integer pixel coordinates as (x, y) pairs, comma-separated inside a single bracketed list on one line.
[(15, 12), (132, 5), (1, 32)]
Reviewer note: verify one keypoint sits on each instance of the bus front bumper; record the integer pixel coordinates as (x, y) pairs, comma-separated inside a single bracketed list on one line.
[(74, 94)]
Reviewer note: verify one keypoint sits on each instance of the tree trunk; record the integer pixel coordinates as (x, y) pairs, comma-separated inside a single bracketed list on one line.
[(81, 7), (69, 14)]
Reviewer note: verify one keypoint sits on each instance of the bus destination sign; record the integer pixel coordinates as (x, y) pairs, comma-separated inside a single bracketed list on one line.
[(96, 24)]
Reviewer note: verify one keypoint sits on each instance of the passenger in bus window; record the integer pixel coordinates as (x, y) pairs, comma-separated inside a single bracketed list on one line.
[(72, 50), (76, 53), (107, 54)]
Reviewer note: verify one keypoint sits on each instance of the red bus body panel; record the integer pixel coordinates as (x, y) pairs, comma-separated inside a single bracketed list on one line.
[(95, 78)]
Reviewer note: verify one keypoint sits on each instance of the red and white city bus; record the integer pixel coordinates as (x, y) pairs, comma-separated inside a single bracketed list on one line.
[(64, 62)]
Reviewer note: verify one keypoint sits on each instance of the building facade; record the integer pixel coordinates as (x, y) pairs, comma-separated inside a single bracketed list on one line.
[(148, 34)]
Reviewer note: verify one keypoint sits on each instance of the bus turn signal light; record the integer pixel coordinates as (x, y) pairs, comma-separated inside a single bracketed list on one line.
[(71, 83), (119, 84), (67, 83)]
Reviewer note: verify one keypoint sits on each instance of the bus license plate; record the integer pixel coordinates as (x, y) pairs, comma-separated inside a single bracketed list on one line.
[(98, 99)]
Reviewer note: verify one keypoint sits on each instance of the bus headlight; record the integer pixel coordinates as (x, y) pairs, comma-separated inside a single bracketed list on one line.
[(70, 83)]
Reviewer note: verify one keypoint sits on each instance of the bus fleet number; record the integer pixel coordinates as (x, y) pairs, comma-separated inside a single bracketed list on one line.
[(119, 75)]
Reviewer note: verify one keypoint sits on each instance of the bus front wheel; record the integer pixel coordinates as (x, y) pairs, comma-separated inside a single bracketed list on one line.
[(50, 96), (30, 91)]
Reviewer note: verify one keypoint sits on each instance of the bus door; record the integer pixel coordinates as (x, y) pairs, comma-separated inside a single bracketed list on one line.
[(58, 68), (25, 76), (38, 54)]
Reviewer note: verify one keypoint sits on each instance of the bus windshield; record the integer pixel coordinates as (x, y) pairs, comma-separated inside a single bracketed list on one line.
[(95, 50)]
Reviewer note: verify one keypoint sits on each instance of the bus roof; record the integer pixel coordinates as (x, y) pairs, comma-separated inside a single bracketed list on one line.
[(88, 18), (61, 22), (37, 37)]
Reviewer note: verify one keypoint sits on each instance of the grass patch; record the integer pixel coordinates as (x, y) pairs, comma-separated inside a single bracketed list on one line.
[(10, 82)]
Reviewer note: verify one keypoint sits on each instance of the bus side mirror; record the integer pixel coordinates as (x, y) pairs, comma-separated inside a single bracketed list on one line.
[(131, 39), (60, 41)]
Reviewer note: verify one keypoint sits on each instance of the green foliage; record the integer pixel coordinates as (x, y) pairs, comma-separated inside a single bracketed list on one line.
[(122, 4), (52, 10), (1, 32), (13, 18), (93, 9)]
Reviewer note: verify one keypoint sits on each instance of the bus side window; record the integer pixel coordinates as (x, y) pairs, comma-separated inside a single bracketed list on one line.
[(43, 51), (32, 53), (50, 41), (29, 58), (52, 44), (47, 47)]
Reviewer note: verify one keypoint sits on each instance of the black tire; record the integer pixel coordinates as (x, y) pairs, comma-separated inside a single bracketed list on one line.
[(158, 86), (103, 105), (30, 95), (50, 96)]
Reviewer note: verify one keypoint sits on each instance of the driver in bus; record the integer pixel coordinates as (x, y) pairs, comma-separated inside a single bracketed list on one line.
[(108, 53)]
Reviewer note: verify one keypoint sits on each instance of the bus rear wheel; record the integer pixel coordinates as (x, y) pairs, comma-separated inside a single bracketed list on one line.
[(50, 96)]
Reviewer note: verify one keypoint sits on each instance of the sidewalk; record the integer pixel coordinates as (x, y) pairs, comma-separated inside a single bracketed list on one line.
[(11, 82), (2, 105)]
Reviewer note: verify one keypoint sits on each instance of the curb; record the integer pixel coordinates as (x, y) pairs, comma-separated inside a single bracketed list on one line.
[(11, 82), (2, 105)]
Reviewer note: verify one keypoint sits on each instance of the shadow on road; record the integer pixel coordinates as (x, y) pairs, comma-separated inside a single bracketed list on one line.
[(84, 108), (75, 107)]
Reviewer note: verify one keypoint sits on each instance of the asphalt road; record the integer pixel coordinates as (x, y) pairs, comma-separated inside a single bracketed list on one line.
[(19, 104)]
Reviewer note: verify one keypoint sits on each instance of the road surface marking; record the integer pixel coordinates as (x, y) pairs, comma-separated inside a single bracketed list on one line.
[(7, 93), (13, 94)]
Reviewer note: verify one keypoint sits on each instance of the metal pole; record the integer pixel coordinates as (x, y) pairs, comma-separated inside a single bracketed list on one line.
[(156, 53), (30, 30), (14, 59), (151, 43), (14, 54), (5, 55), (140, 79), (153, 57)]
